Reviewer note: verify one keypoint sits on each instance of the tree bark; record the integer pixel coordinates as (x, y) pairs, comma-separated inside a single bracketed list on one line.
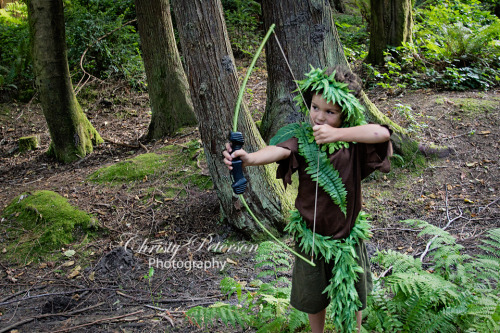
[(391, 25), (306, 31), (171, 105), (73, 136), (213, 83)]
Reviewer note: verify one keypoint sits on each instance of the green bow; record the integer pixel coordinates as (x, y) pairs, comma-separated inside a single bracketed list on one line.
[(235, 128)]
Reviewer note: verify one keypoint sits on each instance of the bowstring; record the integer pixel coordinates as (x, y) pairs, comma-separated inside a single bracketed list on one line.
[(312, 124)]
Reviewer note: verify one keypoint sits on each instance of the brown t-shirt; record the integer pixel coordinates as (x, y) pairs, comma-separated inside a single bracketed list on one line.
[(354, 164)]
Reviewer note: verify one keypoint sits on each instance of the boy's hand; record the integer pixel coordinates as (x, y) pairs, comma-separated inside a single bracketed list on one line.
[(325, 133), (228, 157)]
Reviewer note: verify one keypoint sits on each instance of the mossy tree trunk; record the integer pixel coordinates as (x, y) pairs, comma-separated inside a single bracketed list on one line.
[(214, 89), (391, 25), (308, 35), (73, 136), (171, 105)]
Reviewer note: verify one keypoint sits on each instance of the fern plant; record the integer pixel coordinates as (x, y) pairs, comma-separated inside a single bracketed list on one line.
[(457, 292), (267, 309)]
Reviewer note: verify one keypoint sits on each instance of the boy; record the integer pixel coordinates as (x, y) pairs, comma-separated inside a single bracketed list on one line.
[(354, 149)]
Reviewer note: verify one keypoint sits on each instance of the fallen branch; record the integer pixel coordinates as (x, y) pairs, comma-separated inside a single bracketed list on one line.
[(65, 314), (55, 294), (167, 300), (137, 146), (108, 319)]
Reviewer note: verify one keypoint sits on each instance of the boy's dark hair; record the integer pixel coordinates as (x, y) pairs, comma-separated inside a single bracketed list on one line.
[(342, 74)]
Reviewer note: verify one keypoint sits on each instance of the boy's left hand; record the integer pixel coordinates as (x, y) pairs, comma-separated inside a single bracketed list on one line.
[(325, 133)]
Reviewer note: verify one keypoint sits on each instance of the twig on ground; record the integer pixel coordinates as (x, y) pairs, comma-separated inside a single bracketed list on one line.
[(55, 294), (25, 321), (108, 319), (450, 221)]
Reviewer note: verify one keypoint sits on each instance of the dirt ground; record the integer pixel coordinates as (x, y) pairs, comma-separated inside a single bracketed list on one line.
[(110, 293)]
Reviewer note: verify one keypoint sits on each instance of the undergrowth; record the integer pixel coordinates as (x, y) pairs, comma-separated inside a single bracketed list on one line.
[(448, 292)]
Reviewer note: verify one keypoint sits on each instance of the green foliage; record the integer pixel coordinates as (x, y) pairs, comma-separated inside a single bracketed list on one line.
[(341, 288), (267, 309), (118, 54), (455, 46), (242, 20), (318, 82), (328, 177), (15, 58), (324, 172), (455, 292), (353, 35), (40, 222)]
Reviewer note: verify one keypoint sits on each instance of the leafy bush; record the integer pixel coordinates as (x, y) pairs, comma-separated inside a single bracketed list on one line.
[(118, 54), (16, 71), (242, 20), (353, 34), (456, 46)]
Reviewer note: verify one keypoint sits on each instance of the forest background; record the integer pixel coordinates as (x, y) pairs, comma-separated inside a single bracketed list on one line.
[(441, 87)]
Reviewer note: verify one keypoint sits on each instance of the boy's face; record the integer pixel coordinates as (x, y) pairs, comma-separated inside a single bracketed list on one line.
[(325, 113)]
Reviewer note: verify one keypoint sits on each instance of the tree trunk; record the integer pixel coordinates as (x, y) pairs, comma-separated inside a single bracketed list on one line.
[(214, 88), (72, 134), (391, 25), (171, 105), (308, 36)]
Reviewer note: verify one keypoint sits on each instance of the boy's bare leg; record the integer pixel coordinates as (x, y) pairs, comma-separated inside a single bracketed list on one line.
[(317, 321), (358, 320)]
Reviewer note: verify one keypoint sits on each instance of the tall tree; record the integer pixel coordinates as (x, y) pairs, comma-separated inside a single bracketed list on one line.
[(73, 136), (168, 89), (213, 82), (391, 25), (307, 34)]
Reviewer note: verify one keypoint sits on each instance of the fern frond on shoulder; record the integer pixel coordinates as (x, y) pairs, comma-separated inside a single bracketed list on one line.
[(325, 174)]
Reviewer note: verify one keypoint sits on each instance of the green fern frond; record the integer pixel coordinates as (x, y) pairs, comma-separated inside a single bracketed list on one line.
[(400, 262), (229, 286), (317, 81), (273, 326), (326, 175), (297, 319), (284, 133), (228, 314)]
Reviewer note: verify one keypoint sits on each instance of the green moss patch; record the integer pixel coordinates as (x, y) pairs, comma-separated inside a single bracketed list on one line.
[(37, 223), (178, 166), (474, 105), (133, 169)]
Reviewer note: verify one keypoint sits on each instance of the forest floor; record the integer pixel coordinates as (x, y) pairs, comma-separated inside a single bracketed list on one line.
[(111, 294)]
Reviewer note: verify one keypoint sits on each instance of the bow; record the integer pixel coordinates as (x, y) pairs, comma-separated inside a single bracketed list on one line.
[(237, 141)]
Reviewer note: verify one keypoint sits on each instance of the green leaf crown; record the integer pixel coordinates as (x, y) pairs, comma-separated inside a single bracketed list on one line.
[(318, 82)]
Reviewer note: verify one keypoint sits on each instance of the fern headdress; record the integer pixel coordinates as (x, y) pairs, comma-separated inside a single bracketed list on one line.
[(317, 81)]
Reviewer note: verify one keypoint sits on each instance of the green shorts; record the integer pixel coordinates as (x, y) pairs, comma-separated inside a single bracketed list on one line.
[(308, 282)]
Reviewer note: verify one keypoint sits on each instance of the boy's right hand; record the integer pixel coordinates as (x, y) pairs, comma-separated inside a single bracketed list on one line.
[(228, 156)]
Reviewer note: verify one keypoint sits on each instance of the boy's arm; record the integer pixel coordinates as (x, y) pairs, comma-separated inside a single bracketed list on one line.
[(370, 133), (263, 156)]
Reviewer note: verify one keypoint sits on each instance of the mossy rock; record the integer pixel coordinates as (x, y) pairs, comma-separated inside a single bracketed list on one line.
[(177, 165), (27, 143), (37, 223)]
